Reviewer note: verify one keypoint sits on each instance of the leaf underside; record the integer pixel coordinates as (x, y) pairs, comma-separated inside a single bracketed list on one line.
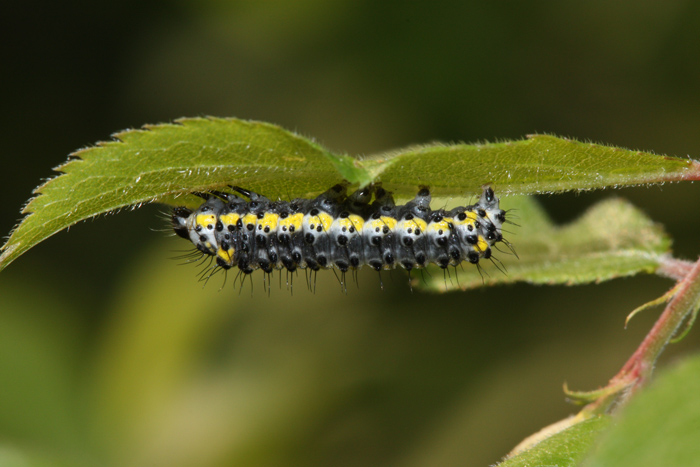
[(612, 239), (167, 162)]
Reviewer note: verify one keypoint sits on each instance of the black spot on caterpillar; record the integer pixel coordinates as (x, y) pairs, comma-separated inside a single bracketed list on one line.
[(335, 230)]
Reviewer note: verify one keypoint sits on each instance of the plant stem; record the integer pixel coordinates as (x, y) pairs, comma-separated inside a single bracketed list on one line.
[(636, 372), (673, 268)]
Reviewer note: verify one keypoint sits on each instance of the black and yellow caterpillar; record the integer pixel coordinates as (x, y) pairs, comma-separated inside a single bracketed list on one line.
[(337, 230)]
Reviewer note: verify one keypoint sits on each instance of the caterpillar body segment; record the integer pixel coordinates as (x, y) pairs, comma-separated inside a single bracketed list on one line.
[(337, 230)]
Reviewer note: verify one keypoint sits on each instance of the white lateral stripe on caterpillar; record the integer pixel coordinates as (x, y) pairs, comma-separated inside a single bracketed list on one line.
[(336, 230)]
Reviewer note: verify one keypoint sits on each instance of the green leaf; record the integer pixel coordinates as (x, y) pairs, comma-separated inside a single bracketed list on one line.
[(167, 162), (612, 239), (660, 426), (564, 449), (539, 164), (163, 162)]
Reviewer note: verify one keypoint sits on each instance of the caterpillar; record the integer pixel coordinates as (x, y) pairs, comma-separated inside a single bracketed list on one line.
[(336, 230)]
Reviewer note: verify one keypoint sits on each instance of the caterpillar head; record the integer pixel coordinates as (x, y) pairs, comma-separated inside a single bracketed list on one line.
[(199, 226), (489, 202), (179, 221)]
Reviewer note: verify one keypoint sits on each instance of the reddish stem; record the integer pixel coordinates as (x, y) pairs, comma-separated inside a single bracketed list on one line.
[(673, 268), (640, 365)]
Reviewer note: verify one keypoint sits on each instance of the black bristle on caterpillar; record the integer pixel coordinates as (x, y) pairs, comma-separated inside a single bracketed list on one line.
[(335, 230)]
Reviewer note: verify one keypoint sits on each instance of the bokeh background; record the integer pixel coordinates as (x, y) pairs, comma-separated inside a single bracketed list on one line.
[(113, 354)]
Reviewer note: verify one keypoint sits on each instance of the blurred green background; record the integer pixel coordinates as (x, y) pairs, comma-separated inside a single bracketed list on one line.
[(113, 354)]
